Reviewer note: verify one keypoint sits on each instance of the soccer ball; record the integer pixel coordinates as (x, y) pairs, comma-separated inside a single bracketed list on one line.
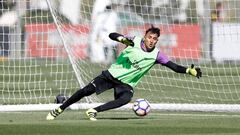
[(141, 107)]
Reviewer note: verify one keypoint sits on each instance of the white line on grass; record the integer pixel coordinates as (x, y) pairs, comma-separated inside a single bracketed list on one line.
[(196, 114)]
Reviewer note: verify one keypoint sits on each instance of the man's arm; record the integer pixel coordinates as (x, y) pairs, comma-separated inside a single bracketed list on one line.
[(120, 38), (175, 67), (163, 59), (180, 69)]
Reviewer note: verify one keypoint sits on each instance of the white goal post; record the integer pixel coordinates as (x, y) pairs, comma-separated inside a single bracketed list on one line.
[(46, 49)]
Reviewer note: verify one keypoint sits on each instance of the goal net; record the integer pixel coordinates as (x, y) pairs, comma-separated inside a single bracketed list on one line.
[(55, 47)]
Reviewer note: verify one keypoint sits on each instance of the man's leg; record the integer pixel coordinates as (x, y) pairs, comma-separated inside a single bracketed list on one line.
[(86, 91), (122, 99), (98, 85), (122, 93)]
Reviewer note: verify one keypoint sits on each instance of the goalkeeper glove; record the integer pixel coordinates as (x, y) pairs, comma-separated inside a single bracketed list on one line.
[(125, 41), (194, 71)]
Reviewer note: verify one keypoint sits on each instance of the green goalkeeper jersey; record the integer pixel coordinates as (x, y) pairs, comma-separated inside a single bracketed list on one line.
[(133, 63)]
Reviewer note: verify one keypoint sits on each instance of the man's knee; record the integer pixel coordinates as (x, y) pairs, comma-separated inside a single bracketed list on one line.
[(88, 90), (126, 98)]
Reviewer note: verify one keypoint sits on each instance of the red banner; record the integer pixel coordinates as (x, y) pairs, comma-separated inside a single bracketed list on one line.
[(43, 40)]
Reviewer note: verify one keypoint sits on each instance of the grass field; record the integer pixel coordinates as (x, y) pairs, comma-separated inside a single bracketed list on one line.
[(38, 82), (120, 123)]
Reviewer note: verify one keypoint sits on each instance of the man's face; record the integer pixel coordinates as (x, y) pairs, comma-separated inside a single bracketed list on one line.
[(150, 40)]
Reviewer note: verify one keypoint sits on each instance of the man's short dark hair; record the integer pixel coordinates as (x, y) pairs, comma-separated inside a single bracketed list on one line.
[(153, 30)]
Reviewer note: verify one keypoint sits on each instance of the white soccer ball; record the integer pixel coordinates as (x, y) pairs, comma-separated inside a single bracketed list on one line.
[(141, 107)]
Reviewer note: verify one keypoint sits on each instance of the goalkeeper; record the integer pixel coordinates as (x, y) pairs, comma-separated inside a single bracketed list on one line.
[(131, 65)]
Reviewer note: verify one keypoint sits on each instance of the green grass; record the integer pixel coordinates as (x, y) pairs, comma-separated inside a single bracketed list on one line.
[(120, 123)]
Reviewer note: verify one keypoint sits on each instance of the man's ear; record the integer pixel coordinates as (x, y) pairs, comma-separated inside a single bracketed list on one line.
[(144, 37)]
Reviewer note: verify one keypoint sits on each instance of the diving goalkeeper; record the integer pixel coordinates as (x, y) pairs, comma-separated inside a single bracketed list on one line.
[(131, 65)]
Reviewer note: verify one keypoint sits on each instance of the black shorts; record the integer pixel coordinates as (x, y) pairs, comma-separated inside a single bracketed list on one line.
[(106, 81)]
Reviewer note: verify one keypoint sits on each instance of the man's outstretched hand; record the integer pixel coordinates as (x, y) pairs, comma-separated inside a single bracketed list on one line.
[(194, 71)]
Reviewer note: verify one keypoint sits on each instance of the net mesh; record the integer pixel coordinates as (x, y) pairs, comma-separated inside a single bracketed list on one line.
[(47, 49)]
